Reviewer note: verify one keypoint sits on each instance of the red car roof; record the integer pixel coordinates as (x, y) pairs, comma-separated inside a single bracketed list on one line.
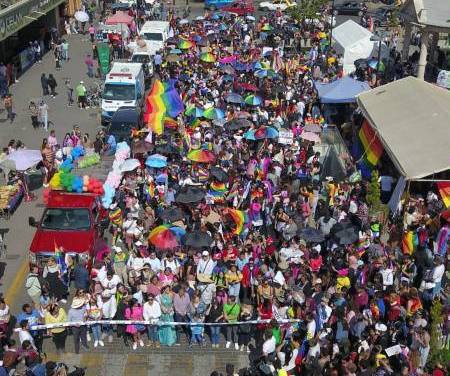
[(70, 200)]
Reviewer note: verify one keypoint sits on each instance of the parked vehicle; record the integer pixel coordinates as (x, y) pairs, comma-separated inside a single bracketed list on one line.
[(72, 221), (241, 8), (350, 8), (155, 34), (123, 121), (124, 86), (276, 5)]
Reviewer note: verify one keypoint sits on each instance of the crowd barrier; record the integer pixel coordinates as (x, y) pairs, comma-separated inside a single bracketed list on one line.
[(156, 323)]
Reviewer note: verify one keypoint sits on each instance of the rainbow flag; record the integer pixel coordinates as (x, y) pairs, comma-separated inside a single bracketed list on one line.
[(217, 190), (444, 191), (240, 218), (409, 242), (373, 148), (162, 101), (60, 260)]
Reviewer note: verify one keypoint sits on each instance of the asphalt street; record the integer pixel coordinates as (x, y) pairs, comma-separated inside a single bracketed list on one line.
[(113, 359)]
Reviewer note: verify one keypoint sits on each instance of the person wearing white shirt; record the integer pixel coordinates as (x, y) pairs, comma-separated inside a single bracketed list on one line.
[(388, 277), (269, 345), (206, 265), (152, 313), (110, 282), (438, 273), (24, 334), (155, 262)]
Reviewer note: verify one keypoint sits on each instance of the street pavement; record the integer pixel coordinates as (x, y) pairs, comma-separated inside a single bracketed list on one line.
[(113, 359)]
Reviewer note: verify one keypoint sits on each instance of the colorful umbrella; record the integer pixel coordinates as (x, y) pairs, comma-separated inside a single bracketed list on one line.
[(201, 156), (166, 236), (156, 161), (234, 98), (185, 44), (213, 113), (253, 100), (261, 133), (194, 111), (207, 57), (310, 136), (267, 27)]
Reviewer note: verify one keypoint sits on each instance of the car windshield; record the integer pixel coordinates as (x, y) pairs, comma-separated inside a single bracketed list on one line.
[(144, 59), (66, 219), (158, 37), (119, 92)]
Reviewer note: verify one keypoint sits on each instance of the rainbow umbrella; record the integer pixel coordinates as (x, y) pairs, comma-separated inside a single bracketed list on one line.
[(166, 236), (185, 44), (261, 133), (201, 156), (253, 100), (194, 111), (267, 27), (207, 57), (213, 113)]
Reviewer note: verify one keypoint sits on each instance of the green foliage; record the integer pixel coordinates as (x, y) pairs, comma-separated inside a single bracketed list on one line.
[(373, 195), (437, 350), (306, 9)]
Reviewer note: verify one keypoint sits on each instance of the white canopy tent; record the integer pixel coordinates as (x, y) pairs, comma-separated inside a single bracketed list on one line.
[(411, 118), (354, 42)]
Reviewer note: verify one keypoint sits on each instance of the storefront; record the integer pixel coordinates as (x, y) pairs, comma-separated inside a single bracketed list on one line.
[(26, 22)]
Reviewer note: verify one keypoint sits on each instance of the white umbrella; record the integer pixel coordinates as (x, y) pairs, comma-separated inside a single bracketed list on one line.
[(81, 16), (184, 21), (24, 159), (309, 136), (129, 165)]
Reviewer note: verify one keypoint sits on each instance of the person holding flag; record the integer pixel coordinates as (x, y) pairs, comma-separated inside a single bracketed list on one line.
[(54, 273)]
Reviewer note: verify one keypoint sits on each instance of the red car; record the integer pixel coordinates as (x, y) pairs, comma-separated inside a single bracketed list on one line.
[(72, 221), (241, 8)]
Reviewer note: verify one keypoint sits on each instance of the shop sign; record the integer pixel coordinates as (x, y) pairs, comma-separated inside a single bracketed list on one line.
[(17, 16)]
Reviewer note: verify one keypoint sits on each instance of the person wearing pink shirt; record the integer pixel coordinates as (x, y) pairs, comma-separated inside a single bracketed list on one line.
[(51, 140), (135, 312)]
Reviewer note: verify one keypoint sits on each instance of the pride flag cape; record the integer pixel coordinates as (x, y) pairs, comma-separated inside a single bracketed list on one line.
[(444, 191), (217, 189), (240, 218), (163, 101)]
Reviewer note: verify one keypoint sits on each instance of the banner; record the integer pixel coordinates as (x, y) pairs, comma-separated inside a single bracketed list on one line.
[(103, 57), (155, 322), (285, 137)]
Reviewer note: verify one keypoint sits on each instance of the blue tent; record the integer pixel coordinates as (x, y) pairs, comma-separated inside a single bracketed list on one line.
[(343, 90)]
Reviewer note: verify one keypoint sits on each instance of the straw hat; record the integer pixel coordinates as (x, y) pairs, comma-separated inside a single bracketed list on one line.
[(78, 303)]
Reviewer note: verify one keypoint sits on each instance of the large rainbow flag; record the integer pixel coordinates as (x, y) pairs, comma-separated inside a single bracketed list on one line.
[(163, 101), (367, 149), (444, 191)]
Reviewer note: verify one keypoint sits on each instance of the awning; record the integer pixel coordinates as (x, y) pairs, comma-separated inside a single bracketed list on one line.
[(411, 118), (343, 90), (119, 18)]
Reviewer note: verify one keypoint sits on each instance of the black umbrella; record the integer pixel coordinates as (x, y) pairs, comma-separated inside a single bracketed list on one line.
[(166, 149), (238, 124), (312, 235), (197, 239), (347, 236), (342, 226), (190, 195), (172, 215), (219, 174)]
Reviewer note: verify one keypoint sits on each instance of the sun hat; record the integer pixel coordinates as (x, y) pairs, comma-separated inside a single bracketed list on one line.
[(78, 303)]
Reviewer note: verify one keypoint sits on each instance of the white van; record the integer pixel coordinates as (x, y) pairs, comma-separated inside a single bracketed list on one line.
[(155, 33), (124, 86)]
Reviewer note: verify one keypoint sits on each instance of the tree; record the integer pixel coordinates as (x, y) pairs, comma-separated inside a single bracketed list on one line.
[(373, 192), (306, 9), (437, 350)]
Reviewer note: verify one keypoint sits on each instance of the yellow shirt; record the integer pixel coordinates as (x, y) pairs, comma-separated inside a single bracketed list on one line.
[(50, 319), (233, 277), (342, 282)]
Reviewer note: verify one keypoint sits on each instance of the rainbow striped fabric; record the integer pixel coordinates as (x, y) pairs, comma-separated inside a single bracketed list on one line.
[(163, 101)]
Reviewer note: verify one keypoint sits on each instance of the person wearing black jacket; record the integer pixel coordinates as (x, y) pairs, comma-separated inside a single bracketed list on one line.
[(52, 83), (214, 314)]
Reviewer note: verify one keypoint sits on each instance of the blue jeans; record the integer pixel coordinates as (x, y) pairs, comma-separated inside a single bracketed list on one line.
[(215, 334), (152, 332), (233, 289), (108, 329), (96, 332), (197, 338)]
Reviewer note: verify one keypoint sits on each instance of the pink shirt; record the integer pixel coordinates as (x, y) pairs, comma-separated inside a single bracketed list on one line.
[(134, 313), (52, 141)]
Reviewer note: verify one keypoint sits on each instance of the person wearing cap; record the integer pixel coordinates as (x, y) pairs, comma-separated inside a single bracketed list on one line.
[(120, 259), (205, 266), (80, 91)]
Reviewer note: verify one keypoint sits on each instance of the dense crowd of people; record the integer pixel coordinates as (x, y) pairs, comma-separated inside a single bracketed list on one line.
[(282, 262)]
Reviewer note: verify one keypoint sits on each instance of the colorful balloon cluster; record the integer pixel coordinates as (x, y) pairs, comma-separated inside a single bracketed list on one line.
[(88, 161), (66, 181), (77, 152), (114, 177)]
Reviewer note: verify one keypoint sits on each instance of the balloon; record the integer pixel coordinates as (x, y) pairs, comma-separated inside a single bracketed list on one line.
[(77, 152), (89, 160), (55, 181)]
